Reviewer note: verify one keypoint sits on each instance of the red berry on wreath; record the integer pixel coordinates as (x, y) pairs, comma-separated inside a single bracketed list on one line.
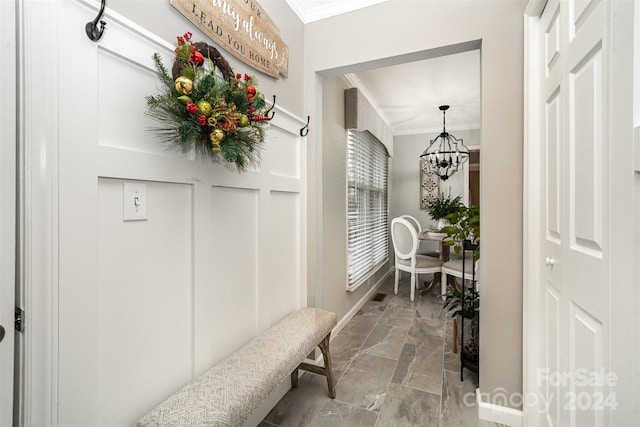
[(202, 120), (196, 58), (238, 76), (192, 108), (251, 90)]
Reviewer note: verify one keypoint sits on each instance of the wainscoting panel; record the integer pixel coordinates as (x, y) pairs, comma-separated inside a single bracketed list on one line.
[(234, 263), (122, 101), (282, 266), (283, 151), (141, 307), (144, 288)]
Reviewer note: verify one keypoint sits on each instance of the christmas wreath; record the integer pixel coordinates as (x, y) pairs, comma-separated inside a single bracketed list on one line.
[(204, 106)]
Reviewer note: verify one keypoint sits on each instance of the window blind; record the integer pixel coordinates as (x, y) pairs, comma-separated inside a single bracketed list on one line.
[(367, 170)]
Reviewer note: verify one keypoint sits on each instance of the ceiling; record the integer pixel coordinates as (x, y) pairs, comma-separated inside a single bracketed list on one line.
[(408, 95), (314, 10)]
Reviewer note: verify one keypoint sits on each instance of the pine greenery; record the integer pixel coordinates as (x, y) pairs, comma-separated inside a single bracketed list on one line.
[(181, 130)]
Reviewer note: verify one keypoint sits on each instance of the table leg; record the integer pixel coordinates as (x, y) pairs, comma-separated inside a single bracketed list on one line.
[(437, 277)]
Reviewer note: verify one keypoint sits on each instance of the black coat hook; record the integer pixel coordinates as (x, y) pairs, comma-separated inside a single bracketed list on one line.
[(266, 113), (93, 31), (305, 130)]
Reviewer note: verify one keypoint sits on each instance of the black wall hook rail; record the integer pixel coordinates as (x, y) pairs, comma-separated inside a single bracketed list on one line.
[(305, 130), (273, 113), (93, 31)]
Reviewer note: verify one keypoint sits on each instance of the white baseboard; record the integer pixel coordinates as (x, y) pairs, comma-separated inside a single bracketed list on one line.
[(347, 317), (498, 414)]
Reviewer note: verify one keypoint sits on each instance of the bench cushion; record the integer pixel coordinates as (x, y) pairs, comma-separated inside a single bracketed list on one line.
[(228, 393)]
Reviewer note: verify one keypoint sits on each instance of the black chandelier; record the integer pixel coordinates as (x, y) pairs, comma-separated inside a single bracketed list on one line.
[(446, 153)]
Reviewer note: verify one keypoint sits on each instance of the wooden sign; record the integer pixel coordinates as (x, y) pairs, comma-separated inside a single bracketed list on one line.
[(243, 29)]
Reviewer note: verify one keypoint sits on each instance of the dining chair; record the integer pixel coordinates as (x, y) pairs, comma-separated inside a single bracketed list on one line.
[(416, 224), (405, 245), (454, 268)]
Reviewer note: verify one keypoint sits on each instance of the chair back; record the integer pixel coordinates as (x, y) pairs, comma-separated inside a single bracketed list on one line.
[(414, 222), (404, 237)]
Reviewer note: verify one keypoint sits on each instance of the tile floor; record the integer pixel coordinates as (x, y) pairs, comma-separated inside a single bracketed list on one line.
[(393, 366)]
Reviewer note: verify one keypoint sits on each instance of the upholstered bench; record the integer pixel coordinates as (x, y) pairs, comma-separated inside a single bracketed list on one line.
[(229, 392)]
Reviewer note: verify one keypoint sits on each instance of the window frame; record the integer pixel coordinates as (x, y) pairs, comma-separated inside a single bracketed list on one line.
[(374, 261)]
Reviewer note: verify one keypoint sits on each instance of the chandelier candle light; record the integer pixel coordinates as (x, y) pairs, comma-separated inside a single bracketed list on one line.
[(446, 153)]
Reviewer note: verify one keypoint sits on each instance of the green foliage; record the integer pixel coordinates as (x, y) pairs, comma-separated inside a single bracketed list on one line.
[(162, 72), (468, 308), (231, 105), (465, 225), (443, 205)]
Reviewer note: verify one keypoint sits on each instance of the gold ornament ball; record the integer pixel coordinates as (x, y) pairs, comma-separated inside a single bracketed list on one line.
[(244, 121), (204, 108), (216, 136), (184, 85)]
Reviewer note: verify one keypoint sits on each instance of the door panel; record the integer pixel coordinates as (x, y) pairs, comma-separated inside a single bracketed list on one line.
[(575, 237), (587, 150), (587, 356), (552, 344), (554, 179)]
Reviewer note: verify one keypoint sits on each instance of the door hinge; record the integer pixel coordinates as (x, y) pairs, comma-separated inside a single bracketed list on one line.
[(19, 319)]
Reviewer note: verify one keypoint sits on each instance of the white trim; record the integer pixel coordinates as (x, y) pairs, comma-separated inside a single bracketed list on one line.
[(366, 297), (534, 9), (454, 128), (328, 9), (8, 102), (532, 220), (354, 81), (496, 413)]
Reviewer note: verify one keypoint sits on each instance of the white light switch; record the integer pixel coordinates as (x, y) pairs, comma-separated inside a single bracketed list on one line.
[(135, 201)]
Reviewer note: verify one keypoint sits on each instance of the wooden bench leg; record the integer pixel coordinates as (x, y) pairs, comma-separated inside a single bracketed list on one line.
[(328, 371), (325, 370)]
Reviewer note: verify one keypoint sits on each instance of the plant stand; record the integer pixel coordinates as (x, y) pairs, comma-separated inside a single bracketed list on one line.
[(469, 352)]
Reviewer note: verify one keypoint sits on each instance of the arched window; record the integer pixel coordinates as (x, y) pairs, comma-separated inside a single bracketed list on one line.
[(367, 175)]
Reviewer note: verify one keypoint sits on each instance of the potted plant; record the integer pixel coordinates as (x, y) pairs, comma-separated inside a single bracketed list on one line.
[(442, 206), (469, 308), (464, 232), (464, 224)]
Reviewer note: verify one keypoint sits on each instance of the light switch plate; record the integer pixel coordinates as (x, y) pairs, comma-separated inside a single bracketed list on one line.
[(134, 201)]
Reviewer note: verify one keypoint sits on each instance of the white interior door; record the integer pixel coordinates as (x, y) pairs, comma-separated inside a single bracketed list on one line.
[(7, 208), (575, 249)]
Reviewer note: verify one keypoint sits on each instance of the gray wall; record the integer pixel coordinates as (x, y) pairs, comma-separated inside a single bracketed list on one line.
[(392, 32), (405, 175), (334, 204)]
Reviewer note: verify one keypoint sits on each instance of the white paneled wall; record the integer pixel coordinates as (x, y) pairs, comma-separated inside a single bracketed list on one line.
[(138, 308)]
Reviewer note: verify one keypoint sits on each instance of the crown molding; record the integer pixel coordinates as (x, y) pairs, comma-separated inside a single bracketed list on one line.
[(450, 129), (328, 9), (354, 81)]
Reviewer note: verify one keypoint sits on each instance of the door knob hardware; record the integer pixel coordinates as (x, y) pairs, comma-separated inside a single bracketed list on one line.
[(549, 262)]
